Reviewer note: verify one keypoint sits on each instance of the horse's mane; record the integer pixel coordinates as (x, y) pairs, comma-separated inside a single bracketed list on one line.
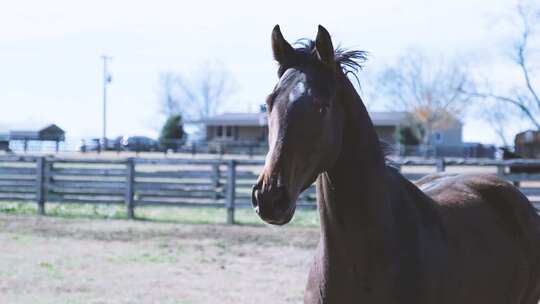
[(350, 61)]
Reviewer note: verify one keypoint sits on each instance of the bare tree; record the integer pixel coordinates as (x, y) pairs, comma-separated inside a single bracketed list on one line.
[(524, 95), (432, 92), (498, 117), (168, 95), (196, 95), (204, 93)]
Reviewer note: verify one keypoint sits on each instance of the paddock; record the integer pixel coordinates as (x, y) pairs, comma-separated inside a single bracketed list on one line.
[(181, 249), (57, 260)]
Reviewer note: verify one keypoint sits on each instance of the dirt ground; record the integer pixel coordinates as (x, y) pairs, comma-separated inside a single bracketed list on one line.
[(56, 260)]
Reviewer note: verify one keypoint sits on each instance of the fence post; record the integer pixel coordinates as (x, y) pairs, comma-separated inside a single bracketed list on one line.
[(231, 190), (130, 179), (41, 184), (441, 166), (215, 179), (500, 171)]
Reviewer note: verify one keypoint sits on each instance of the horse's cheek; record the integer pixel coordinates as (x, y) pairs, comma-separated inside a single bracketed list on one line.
[(333, 140)]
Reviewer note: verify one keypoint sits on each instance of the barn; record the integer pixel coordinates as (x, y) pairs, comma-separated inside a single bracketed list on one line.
[(26, 137)]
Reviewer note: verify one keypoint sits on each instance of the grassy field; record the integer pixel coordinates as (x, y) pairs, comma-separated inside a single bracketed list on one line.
[(178, 215), (82, 254)]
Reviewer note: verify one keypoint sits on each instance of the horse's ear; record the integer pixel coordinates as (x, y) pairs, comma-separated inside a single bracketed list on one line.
[(283, 51), (324, 47)]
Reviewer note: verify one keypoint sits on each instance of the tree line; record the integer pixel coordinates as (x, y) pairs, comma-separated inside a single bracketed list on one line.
[(436, 93)]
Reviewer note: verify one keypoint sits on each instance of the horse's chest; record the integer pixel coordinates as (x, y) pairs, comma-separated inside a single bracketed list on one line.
[(338, 281)]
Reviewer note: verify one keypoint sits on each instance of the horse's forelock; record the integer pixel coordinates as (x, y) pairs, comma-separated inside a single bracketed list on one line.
[(350, 61)]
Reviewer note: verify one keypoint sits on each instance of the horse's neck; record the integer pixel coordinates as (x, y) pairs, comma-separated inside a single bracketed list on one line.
[(356, 183), (355, 214)]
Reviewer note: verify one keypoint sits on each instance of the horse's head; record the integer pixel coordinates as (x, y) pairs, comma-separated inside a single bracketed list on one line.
[(304, 122)]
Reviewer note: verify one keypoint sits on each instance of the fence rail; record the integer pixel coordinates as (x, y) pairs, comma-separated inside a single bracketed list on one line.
[(137, 182)]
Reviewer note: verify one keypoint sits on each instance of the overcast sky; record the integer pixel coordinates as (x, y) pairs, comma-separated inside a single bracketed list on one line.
[(50, 66)]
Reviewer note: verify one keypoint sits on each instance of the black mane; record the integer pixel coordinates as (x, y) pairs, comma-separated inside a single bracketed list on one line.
[(350, 61)]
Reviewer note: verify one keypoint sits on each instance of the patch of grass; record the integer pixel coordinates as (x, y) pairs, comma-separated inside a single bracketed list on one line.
[(148, 258), (18, 208), (243, 216), (21, 239), (182, 215), (51, 270), (86, 211), (205, 215), (156, 258), (66, 210)]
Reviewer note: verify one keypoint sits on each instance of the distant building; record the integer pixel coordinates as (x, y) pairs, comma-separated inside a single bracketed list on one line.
[(21, 136), (235, 128), (527, 144), (50, 132), (451, 136), (251, 128)]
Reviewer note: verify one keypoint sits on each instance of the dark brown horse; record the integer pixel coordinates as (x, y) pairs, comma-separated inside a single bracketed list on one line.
[(446, 239)]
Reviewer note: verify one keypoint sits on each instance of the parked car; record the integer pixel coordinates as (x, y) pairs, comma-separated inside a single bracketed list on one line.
[(140, 144), (89, 145), (98, 144), (4, 145), (113, 144)]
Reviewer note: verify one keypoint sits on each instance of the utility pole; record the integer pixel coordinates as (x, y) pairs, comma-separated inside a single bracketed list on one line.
[(106, 80)]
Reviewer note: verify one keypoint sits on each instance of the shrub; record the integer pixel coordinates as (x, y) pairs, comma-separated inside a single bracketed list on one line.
[(172, 134)]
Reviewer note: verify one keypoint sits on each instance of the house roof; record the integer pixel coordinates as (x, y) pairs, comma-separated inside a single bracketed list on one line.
[(259, 119), (393, 118), (237, 119), (32, 132)]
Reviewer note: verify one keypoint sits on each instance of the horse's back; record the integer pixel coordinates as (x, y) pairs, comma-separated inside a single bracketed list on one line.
[(492, 236), (486, 196)]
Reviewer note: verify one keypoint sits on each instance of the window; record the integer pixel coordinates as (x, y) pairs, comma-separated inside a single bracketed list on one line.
[(438, 137), (224, 131)]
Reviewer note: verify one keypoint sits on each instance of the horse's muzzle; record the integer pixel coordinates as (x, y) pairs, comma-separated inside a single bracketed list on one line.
[(273, 206)]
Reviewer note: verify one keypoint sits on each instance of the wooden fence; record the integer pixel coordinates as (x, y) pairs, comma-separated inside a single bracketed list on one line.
[(135, 182)]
